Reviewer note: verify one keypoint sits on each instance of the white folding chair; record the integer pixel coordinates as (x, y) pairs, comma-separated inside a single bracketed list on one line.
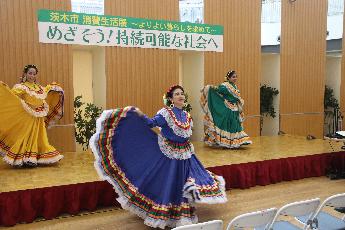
[(325, 221), (301, 208), (261, 218), (209, 225)]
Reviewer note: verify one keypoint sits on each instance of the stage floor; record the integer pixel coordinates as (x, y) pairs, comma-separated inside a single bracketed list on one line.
[(77, 167)]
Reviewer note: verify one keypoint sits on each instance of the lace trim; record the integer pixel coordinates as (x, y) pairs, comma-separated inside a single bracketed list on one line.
[(40, 111), (180, 129), (31, 160), (231, 106), (209, 194), (40, 94), (56, 88), (217, 137), (34, 158), (173, 150), (232, 90), (236, 93), (154, 222)]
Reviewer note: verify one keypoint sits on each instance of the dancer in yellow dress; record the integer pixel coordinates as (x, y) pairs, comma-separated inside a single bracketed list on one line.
[(25, 112)]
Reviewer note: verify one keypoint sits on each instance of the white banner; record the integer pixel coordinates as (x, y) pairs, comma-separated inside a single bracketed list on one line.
[(127, 37)]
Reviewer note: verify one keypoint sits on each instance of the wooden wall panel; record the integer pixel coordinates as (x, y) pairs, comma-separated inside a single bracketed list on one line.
[(299, 124), (303, 60), (251, 125), (62, 138), (242, 51), (137, 76), (19, 46), (342, 85)]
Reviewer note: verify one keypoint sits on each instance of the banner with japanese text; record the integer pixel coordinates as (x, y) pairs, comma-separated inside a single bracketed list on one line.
[(103, 30)]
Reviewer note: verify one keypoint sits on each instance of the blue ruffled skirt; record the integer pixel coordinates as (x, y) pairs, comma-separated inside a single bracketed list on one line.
[(159, 188)]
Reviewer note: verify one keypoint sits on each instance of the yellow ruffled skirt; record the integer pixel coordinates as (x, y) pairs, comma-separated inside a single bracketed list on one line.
[(23, 137)]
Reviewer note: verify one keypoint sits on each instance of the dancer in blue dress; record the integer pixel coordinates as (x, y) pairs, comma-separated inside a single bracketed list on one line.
[(156, 176)]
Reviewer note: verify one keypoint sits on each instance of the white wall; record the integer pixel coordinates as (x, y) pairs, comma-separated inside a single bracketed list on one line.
[(89, 78), (82, 78), (192, 80), (98, 77), (332, 80), (82, 74), (270, 75), (333, 74)]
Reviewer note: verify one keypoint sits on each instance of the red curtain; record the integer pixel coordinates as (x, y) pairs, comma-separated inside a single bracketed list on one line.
[(27, 205), (273, 171)]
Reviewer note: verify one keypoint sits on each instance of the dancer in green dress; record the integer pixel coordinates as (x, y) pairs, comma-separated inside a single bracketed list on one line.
[(223, 108)]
